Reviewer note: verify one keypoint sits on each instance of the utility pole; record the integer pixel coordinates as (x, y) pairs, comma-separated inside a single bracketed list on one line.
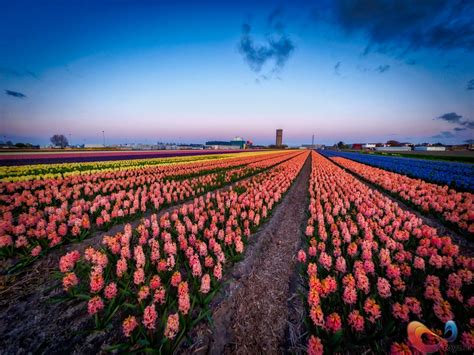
[(103, 138), (312, 141), (70, 141)]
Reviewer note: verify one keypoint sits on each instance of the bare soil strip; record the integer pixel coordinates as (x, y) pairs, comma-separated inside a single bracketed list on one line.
[(466, 246), (252, 311), (32, 323)]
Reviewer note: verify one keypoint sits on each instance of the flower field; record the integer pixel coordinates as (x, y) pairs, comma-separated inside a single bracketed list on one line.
[(40, 214), (371, 268), (63, 170), (160, 276), (257, 252), (451, 206), (457, 175), (60, 157)]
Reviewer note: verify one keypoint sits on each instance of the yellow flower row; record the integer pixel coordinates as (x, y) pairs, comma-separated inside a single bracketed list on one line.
[(52, 171)]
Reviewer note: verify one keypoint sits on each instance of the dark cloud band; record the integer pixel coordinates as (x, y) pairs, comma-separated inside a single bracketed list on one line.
[(16, 94)]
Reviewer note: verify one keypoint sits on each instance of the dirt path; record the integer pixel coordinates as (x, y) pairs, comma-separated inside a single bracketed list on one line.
[(251, 315)]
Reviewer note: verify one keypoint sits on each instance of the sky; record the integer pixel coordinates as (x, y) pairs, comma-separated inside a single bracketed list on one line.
[(192, 71)]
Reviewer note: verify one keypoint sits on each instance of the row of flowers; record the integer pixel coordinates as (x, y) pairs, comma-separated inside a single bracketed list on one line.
[(49, 171), (452, 206), (160, 277), (371, 267), (34, 221), (185, 168), (454, 174)]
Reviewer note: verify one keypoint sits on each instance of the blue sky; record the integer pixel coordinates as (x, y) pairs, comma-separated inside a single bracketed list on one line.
[(147, 71)]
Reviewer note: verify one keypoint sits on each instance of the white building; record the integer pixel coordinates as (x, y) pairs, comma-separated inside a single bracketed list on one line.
[(430, 149), (368, 145), (393, 149)]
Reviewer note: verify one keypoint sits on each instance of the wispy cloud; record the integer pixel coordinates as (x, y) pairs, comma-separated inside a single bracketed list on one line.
[(336, 68), (16, 94), (470, 85), (383, 68), (276, 48), (451, 117), (444, 135), (11, 72), (401, 26), (454, 118)]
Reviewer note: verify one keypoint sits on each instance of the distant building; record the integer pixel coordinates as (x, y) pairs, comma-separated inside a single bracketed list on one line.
[(430, 149), (368, 146), (311, 146), (279, 138), (393, 149), (94, 146), (236, 143), (357, 146)]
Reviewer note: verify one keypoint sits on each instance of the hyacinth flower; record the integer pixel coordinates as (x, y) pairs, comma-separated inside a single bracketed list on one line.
[(454, 207), (455, 175), (161, 275), (371, 267), (37, 215)]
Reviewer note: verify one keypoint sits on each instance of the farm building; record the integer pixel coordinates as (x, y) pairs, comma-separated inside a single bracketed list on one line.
[(430, 149), (393, 149), (236, 143)]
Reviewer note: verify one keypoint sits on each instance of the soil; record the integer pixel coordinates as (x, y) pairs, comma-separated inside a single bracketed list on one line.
[(259, 309)]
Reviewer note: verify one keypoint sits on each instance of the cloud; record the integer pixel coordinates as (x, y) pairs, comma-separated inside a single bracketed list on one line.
[(454, 118), (383, 68), (468, 124), (336, 68), (444, 135), (16, 94), (401, 26), (10, 72), (274, 18), (277, 46), (470, 85), (451, 117)]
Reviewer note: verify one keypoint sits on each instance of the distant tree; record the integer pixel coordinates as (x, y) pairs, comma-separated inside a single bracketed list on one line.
[(59, 140), (9, 143), (341, 145), (393, 143)]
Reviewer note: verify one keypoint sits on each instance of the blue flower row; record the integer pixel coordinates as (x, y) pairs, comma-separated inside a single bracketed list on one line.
[(457, 175)]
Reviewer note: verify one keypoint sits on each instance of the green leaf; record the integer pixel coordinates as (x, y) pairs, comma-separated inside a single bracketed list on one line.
[(336, 338)]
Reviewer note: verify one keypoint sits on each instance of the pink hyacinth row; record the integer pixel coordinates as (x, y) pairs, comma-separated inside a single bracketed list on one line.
[(371, 267), (40, 214), (161, 275), (455, 207)]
